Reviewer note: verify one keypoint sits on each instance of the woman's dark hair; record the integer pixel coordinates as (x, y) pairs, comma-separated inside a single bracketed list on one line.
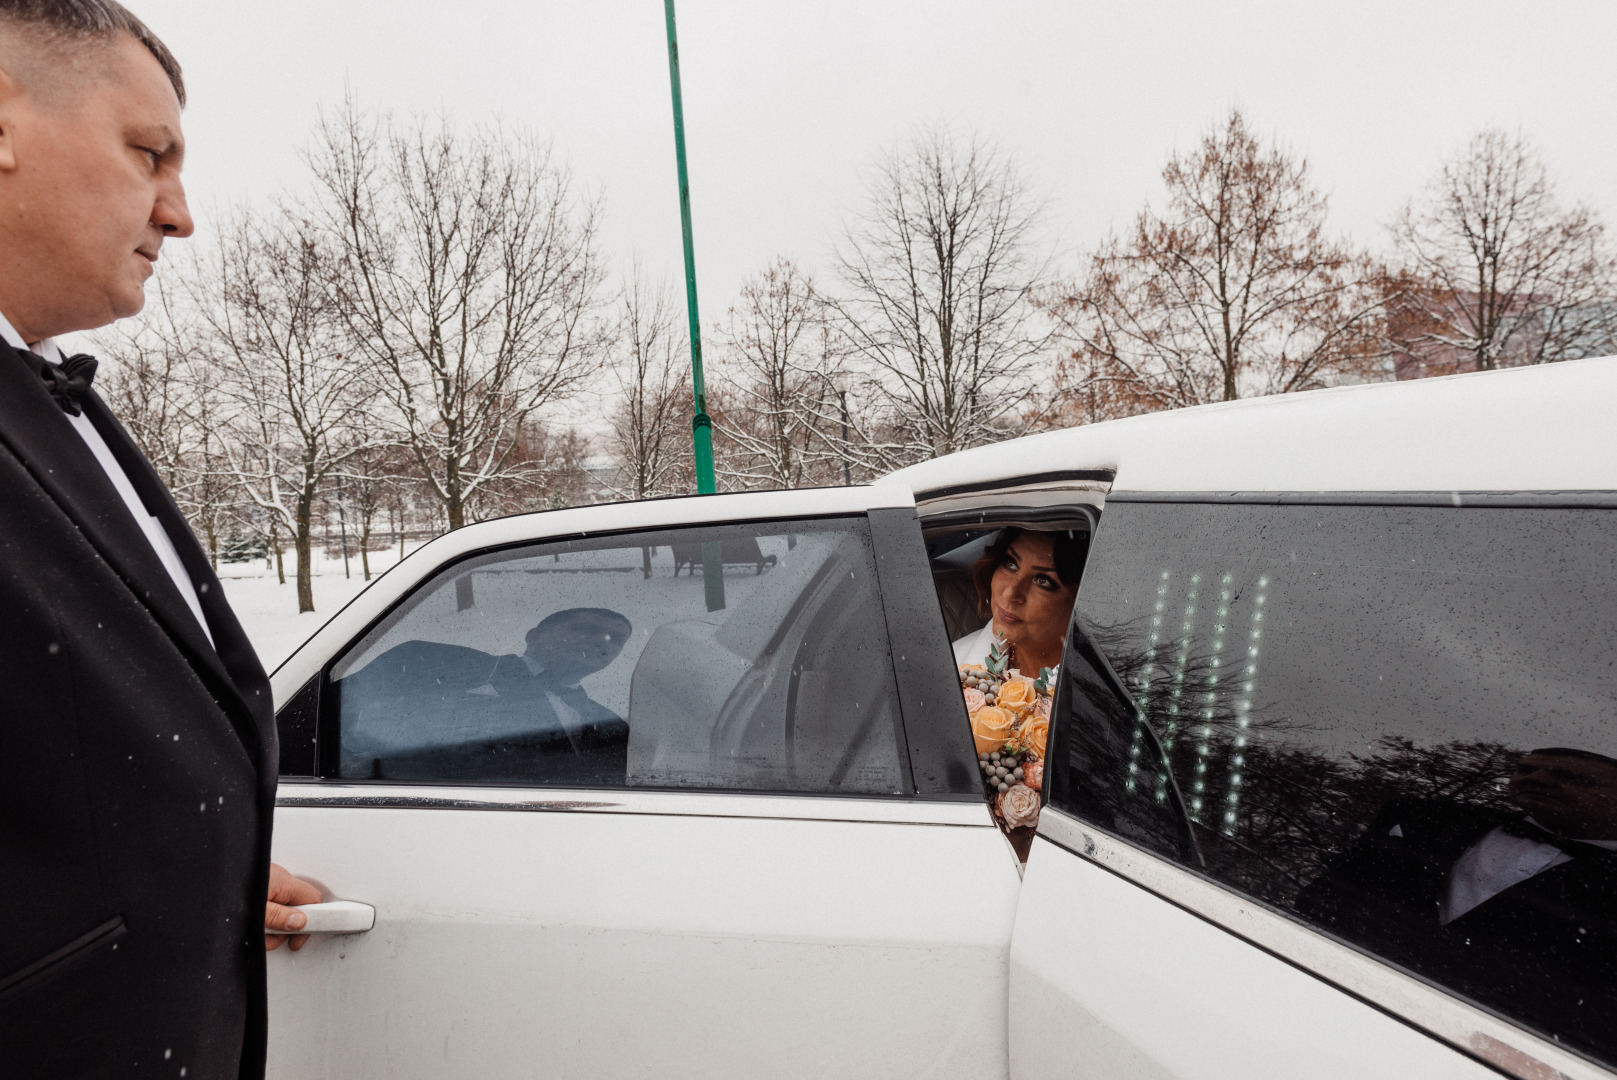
[(1070, 549)]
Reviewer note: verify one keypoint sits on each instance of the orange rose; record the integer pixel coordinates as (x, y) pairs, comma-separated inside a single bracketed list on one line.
[(1035, 733), (1017, 695), (991, 727)]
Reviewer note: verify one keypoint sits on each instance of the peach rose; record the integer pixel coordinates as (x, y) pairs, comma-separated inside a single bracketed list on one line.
[(1018, 806), (974, 700), (1043, 707), (1035, 732), (1017, 695), (1033, 775), (991, 726)]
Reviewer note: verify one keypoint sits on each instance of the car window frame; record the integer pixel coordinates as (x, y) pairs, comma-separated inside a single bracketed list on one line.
[(936, 748)]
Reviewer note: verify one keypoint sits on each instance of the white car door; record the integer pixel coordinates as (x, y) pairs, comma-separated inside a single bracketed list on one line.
[(1294, 745), (623, 810)]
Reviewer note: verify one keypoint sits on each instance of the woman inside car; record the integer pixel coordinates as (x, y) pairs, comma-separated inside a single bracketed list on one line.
[(1026, 583)]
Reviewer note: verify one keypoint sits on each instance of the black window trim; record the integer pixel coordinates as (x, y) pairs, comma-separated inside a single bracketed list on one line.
[(1078, 637), (327, 750), (1009, 483), (301, 713), (942, 759), (998, 516)]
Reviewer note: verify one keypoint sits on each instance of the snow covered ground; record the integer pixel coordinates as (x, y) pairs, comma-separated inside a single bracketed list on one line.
[(268, 610)]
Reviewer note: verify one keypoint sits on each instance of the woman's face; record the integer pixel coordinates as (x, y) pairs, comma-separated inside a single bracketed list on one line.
[(1032, 605)]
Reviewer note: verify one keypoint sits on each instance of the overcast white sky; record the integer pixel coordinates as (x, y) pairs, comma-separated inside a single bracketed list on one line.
[(787, 103)]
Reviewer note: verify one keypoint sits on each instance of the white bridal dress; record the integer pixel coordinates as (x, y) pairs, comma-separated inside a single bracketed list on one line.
[(973, 648)]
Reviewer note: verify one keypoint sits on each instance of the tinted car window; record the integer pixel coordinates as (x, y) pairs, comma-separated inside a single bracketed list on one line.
[(619, 661), (1396, 723)]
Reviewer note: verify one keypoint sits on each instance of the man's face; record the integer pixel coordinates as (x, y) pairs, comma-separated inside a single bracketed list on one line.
[(93, 187), (1573, 796), (577, 647)]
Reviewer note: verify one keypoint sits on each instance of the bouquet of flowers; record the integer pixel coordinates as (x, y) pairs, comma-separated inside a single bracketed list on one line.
[(1010, 723)]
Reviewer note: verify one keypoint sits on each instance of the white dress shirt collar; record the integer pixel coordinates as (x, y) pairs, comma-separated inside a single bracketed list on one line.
[(1495, 863), (162, 544)]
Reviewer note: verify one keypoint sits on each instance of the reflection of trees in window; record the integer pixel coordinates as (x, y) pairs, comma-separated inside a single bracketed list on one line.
[(1268, 805), (1303, 806)]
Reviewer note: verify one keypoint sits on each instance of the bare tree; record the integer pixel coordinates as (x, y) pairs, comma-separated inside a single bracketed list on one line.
[(573, 482), (1233, 291), (366, 480), (781, 373), (565, 451), (650, 433), (1505, 275), (212, 498), (546, 469), (938, 273), (469, 278), (148, 386), (267, 296), (160, 383)]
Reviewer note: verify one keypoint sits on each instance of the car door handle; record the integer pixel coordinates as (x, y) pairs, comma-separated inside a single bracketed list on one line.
[(334, 917)]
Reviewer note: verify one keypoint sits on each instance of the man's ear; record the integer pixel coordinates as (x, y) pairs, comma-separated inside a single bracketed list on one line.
[(12, 101)]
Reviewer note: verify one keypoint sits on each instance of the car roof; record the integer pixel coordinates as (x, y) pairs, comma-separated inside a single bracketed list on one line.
[(1550, 427)]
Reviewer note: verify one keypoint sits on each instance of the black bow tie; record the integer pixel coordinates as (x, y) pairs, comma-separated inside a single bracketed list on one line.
[(68, 381)]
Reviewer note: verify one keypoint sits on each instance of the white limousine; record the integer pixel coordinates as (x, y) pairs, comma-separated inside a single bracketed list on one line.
[(1330, 791)]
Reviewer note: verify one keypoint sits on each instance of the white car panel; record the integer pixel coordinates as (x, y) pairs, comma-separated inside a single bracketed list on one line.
[(1110, 982), (546, 943), (1543, 428), (1433, 1011)]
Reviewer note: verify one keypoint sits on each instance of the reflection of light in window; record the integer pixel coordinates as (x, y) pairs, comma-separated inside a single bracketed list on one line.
[(1204, 742), (1171, 729), (1243, 718), (1143, 688)]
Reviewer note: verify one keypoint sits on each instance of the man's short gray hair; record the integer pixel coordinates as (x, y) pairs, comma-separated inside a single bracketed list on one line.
[(67, 20)]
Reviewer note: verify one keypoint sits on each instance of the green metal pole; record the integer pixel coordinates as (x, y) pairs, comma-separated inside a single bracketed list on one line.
[(701, 425)]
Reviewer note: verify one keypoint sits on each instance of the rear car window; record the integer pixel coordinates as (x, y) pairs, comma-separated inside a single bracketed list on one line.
[(747, 657), (1398, 724)]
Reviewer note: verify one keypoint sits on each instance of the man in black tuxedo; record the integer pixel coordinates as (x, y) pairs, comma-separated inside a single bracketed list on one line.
[(428, 710), (1517, 910), (137, 742)]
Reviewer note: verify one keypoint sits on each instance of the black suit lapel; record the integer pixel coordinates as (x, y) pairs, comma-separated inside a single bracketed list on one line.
[(43, 439)]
